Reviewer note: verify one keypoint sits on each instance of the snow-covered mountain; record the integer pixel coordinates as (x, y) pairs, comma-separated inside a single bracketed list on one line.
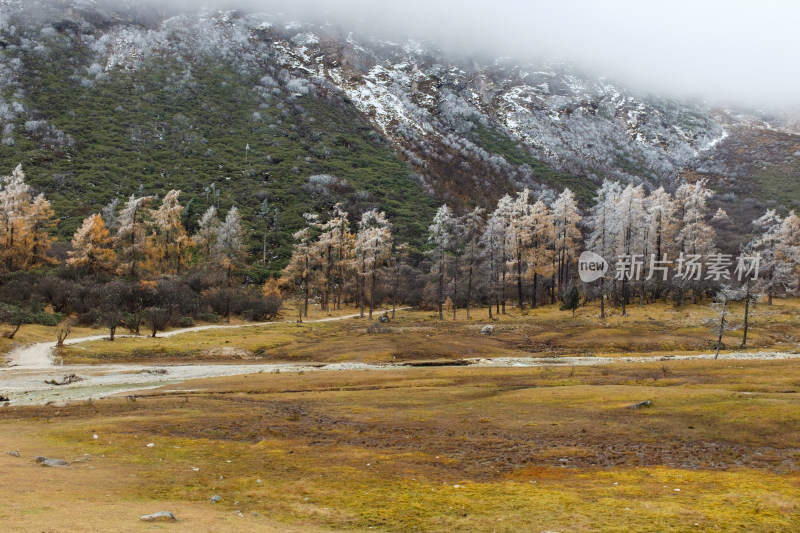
[(469, 129)]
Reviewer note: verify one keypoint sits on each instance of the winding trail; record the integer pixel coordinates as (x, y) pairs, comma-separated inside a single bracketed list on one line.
[(40, 354), (23, 380)]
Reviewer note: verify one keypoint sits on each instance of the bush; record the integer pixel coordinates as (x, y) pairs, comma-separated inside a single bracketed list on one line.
[(214, 318), (47, 319), (186, 321), (377, 328)]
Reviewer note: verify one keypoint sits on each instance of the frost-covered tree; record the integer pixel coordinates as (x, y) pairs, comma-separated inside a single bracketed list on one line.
[(206, 236), (229, 249), (93, 248), (335, 244), (131, 234), (696, 238), (630, 221), (662, 228), (566, 218), (168, 243), (540, 246), (517, 239), (26, 223), (472, 229), (787, 254), (440, 235), (373, 248), (603, 237), (722, 323), (298, 275), (492, 241), (500, 220), (767, 239)]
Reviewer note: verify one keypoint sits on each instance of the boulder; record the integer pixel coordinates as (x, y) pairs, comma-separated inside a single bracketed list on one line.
[(15, 453), (487, 330), (216, 498), (646, 403)]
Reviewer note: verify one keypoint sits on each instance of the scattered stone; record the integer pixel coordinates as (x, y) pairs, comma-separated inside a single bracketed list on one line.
[(69, 378), (154, 371), (646, 403), (162, 516), (44, 461), (216, 498), (14, 453), (487, 330), (151, 445), (256, 514)]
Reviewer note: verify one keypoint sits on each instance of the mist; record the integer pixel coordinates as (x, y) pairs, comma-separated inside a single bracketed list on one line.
[(734, 51)]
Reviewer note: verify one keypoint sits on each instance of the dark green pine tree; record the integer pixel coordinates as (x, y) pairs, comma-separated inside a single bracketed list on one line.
[(571, 298)]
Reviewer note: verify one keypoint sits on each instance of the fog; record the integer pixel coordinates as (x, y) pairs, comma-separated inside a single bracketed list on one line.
[(723, 51)]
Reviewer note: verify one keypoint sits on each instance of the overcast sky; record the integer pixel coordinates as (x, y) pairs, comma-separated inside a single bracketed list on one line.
[(719, 49)]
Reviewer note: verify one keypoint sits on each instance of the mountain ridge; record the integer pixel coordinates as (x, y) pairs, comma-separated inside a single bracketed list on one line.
[(401, 125)]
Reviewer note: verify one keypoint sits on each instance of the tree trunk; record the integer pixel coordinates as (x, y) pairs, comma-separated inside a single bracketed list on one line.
[(112, 331), (363, 283), (503, 285), (469, 290), (624, 296), (721, 327), (519, 277), (394, 289), (602, 298), (16, 329), (305, 289), (227, 296), (372, 287), (746, 315), (440, 291)]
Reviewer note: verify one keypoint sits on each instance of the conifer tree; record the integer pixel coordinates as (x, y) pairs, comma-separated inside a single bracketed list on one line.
[(92, 248)]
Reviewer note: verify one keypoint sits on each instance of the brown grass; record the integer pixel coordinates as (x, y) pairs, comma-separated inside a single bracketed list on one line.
[(419, 335), (438, 449)]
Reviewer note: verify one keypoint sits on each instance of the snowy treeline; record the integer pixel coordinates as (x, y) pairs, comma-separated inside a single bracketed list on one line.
[(525, 252)]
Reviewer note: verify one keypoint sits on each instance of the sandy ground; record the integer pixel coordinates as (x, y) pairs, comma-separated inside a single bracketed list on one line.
[(23, 379), (97, 506)]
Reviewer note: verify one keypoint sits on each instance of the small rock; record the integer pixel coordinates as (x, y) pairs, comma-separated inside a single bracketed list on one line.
[(95, 437), (487, 330), (66, 380), (216, 498), (163, 516), (256, 514), (4, 398), (15, 453), (384, 319), (44, 461), (646, 403), (151, 445)]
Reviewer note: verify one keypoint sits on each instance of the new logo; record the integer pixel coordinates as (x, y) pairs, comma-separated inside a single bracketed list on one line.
[(591, 267)]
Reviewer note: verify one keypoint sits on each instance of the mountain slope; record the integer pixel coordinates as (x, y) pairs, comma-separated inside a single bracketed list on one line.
[(101, 102)]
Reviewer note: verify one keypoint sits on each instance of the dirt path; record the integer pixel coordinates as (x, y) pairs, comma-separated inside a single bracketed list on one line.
[(23, 381), (40, 355)]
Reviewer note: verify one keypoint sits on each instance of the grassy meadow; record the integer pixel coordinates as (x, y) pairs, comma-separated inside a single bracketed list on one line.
[(428, 448)]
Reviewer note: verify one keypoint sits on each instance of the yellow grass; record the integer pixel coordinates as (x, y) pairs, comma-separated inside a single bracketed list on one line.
[(419, 335), (428, 449)]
